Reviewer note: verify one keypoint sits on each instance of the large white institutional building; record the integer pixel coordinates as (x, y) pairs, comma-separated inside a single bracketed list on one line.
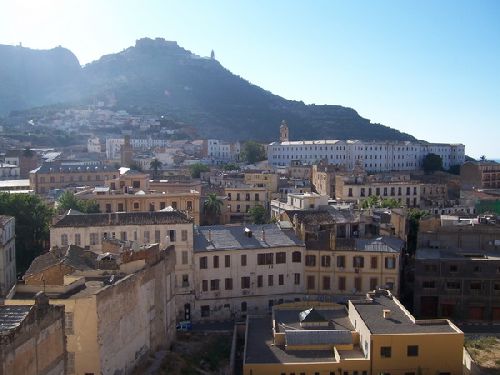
[(375, 156)]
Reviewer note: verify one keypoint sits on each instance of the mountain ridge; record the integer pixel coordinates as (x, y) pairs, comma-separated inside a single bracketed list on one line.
[(159, 77)]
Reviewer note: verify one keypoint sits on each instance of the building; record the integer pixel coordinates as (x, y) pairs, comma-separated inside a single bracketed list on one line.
[(126, 152), (15, 186), (457, 264), (373, 335), (69, 174), (119, 307), (262, 179), (242, 270), (220, 152), (357, 188), (113, 145), (323, 178), (375, 156), (480, 175), (9, 171), (32, 339), (300, 201), (7, 254), (240, 199), (94, 145), (26, 160)]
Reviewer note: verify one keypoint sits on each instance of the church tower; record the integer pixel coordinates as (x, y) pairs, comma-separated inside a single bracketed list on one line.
[(283, 132)]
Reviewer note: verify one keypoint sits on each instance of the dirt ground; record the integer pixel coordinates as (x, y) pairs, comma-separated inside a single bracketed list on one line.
[(486, 353), (198, 353)]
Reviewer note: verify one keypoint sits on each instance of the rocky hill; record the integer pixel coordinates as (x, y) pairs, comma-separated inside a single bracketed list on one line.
[(159, 77)]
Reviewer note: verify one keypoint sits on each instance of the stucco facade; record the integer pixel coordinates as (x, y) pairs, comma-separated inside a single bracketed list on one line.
[(7, 254)]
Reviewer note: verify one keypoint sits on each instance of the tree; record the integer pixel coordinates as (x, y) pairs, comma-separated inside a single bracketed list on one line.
[(197, 168), (155, 165), (231, 167), (253, 152), (390, 203), (258, 215), (135, 166), (414, 216), (212, 208), (432, 163), (33, 218), (454, 169), (371, 201), (482, 158), (68, 201)]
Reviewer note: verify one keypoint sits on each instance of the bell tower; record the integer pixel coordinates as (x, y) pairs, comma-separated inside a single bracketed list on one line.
[(283, 131)]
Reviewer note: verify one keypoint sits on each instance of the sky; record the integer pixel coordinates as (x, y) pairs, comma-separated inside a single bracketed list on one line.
[(428, 68)]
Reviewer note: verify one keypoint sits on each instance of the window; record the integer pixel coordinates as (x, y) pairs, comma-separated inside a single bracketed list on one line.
[(174, 205), (256, 196), (184, 257), (204, 285), (341, 283), (340, 261), (108, 207), (326, 282), (260, 281), (325, 260), (227, 261), (373, 262), (214, 284), (430, 268), (296, 257), (390, 263), (78, 239), (281, 279), (146, 236), (162, 205), (189, 205), (243, 306), (136, 205), (296, 278), (205, 311), (428, 284), (184, 235), (475, 285), (270, 280), (68, 319), (228, 284), (358, 262), (280, 257), (185, 281), (247, 196), (243, 260), (412, 351), (358, 283), (70, 366), (265, 259), (453, 268), (245, 282), (64, 240), (350, 192), (203, 263), (120, 207), (157, 236), (94, 239), (123, 236), (311, 282), (216, 261), (385, 351), (171, 235), (310, 260)]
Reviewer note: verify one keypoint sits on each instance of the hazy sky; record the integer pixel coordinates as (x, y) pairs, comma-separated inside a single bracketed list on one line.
[(429, 68)]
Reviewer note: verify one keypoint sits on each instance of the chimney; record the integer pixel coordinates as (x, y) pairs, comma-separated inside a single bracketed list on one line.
[(263, 235), (210, 235), (386, 313)]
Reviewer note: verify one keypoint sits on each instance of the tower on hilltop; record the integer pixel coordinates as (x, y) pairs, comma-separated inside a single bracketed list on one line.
[(283, 131), (212, 55)]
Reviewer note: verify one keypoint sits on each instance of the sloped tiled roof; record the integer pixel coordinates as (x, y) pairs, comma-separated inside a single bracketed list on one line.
[(123, 218)]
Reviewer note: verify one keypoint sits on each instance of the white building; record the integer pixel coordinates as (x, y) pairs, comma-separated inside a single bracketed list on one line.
[(113, 145), (94, 145), (220, 151), (7, 254), (298, 201), (245, 269), (374, 156), (9, 171)]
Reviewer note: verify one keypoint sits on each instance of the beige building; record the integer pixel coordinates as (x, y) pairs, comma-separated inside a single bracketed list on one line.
[(119, 308), (358, 188), (297, 201), (245, 269), (323, 178), (264, 179), (240, 199), (373, 335), (61, 175), (299, 170), (7, 254), (32, 340), (480, 175)]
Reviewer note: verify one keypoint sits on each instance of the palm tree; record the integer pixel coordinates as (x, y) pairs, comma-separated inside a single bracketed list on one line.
[(212, 207), (155, 165)]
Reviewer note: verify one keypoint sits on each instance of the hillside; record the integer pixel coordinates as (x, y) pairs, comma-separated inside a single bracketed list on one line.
[(160, 77)]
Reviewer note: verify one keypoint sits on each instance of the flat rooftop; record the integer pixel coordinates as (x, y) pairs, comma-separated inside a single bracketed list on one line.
[(455, 254), (337, 317), (400, 320)]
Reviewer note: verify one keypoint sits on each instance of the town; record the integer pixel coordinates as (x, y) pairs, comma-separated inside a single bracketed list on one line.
[(321, 257)]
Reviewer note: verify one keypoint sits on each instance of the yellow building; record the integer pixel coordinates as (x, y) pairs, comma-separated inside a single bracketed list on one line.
[(262, 179), (374, 335), (240, 199)]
